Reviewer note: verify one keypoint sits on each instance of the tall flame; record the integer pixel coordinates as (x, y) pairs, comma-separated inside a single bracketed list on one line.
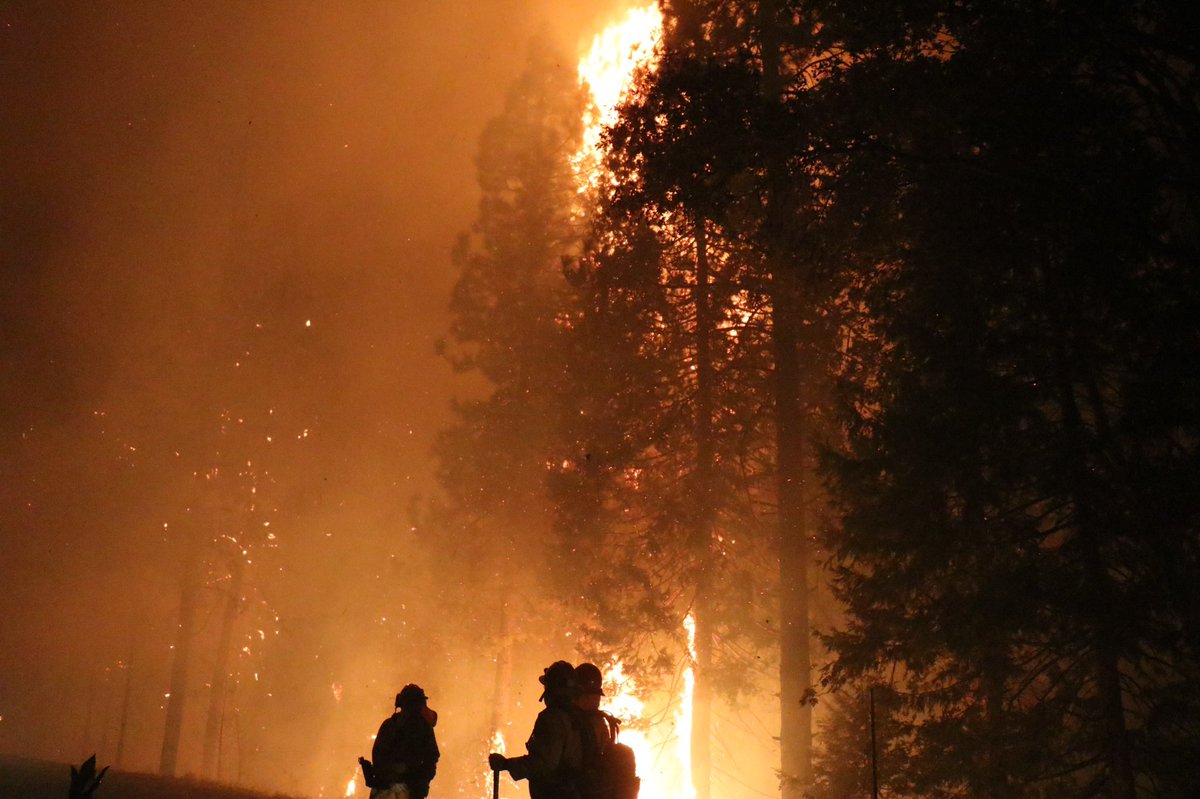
[(663, 750), (685, 709), (607, 72)]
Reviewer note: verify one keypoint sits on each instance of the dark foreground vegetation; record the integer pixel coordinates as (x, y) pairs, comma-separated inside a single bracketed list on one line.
[(21, 778)]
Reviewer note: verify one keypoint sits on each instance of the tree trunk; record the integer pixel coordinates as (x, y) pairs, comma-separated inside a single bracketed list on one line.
[(795, 657), (182, 656), (1099, 589), (220, 679), (702, 693), (996, 772), (1098, 583), (119, 758)]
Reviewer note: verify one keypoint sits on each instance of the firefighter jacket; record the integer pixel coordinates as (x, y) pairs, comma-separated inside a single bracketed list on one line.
[(406, 752), (555, 757)]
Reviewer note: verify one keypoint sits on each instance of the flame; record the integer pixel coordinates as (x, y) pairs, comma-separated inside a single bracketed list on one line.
[(685, 708), (496, 744), (607, 72), (663, 749), (351, 787)]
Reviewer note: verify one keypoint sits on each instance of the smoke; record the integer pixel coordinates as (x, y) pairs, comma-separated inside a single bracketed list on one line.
[(222, 223)]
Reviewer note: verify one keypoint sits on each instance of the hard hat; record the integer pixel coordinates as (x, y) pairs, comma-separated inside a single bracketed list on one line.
[(589, 679)]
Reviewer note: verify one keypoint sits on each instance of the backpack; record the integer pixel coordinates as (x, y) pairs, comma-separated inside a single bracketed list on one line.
[(609, 768)]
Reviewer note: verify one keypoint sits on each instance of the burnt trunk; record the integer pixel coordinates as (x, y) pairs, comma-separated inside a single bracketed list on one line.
[(119, 758), (220, 680), (1098, 586), (1070, 375), (180, 663)]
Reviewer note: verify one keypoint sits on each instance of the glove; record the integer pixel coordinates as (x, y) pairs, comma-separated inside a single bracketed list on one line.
[(498, 762)]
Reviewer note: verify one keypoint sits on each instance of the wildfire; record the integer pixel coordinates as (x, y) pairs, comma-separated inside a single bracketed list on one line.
[(663, 750), (496, 744), (685, 708), (606, 72)]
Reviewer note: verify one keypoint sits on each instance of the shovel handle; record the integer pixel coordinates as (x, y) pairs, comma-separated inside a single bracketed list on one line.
[(495, 784)]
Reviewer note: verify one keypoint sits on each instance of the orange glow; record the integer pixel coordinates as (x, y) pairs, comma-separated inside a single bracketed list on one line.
[(663, 748), (685, 710), (496, 744), (607, 71)]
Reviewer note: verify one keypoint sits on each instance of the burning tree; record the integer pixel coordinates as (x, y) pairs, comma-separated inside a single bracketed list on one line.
[(689, 480), (818, 226), (703, 154)]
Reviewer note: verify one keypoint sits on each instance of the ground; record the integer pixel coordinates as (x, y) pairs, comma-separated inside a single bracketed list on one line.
[(39, 779)]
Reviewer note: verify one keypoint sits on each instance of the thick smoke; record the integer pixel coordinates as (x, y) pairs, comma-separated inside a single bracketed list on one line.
[(223, 223)]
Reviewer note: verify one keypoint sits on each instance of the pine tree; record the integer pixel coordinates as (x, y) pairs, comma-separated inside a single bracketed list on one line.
[(672, 282), (1008, 207), (740, 150), (508, 307)]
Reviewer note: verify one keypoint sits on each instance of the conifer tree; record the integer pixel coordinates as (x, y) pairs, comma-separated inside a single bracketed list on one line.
[(731, 139), (1020, 272), (508, 306), (678, 287)]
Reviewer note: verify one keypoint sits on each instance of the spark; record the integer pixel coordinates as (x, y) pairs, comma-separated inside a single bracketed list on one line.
[(496, 744)]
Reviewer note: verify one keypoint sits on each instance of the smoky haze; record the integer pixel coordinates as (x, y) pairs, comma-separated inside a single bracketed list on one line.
[(225, 234)]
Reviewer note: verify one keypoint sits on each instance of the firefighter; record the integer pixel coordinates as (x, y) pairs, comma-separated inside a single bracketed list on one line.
[(598, 729), (405, 754), (555, 759)]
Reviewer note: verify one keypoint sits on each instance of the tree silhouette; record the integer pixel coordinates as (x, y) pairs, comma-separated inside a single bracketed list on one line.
[(508, 311), (1006, 206)]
